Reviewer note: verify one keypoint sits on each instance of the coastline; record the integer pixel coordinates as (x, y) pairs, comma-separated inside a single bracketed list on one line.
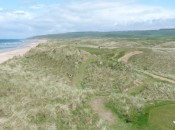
[(20, 51)]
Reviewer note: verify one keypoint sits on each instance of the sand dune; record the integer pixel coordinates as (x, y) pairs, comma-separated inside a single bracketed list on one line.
[(4, 56)]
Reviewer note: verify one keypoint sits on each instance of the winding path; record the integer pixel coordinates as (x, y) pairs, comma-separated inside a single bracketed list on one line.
[(159, 77), (126, 57)]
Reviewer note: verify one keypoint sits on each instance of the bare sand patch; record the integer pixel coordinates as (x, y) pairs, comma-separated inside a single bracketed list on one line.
[(99, 107), (126, 57)]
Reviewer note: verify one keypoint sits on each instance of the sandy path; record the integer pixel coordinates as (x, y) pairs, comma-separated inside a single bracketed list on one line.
[(159, 77), (99, 107), (126, 57), (4, 56)]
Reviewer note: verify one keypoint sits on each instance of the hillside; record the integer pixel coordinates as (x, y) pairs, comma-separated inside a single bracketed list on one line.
[(91, 83), (151, 34)]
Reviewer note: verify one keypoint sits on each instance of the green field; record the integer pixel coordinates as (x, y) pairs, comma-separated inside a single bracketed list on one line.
[(162, 117), (80, 84)]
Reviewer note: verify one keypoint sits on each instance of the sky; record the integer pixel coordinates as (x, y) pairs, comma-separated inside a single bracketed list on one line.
[(26, 18)]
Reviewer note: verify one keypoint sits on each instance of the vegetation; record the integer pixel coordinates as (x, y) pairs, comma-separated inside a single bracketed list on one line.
[(53, 85), (146, 34)]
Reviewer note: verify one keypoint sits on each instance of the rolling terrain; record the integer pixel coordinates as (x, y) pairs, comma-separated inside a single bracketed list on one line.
[(91, 83)]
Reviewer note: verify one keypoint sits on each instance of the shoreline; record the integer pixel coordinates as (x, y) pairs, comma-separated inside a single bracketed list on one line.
[(20, 51)]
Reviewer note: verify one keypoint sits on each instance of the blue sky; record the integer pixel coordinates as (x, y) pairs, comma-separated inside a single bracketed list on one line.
[(25, 18), (170, 4)]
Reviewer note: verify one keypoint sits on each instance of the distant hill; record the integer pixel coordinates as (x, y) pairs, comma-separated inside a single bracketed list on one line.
[(168, 29), (162, 33)]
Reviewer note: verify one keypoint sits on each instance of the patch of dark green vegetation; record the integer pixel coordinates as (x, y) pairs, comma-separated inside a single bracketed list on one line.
[(138, 118), (121, 53)]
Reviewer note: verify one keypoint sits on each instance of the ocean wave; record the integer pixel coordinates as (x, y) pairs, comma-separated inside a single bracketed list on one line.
[(7, 44)]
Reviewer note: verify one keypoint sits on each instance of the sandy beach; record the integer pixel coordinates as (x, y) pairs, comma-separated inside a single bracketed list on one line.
[(6, 55)]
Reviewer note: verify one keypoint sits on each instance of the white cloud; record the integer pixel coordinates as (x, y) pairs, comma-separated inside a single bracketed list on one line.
[(37, 6), (12, 16), (92, 15)]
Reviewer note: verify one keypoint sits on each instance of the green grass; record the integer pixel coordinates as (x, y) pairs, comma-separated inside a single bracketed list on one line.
[(157, 116), (162, 117)]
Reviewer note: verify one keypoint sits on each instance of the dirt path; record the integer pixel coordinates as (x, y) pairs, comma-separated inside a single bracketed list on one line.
[(126, 57), (99, 107), (4, 56), (159, 77)]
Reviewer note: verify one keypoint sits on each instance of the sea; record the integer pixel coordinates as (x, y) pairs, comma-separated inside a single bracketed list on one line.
[(11, 44)]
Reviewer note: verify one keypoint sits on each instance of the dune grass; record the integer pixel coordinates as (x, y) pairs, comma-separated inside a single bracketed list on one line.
[(52, 85)]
